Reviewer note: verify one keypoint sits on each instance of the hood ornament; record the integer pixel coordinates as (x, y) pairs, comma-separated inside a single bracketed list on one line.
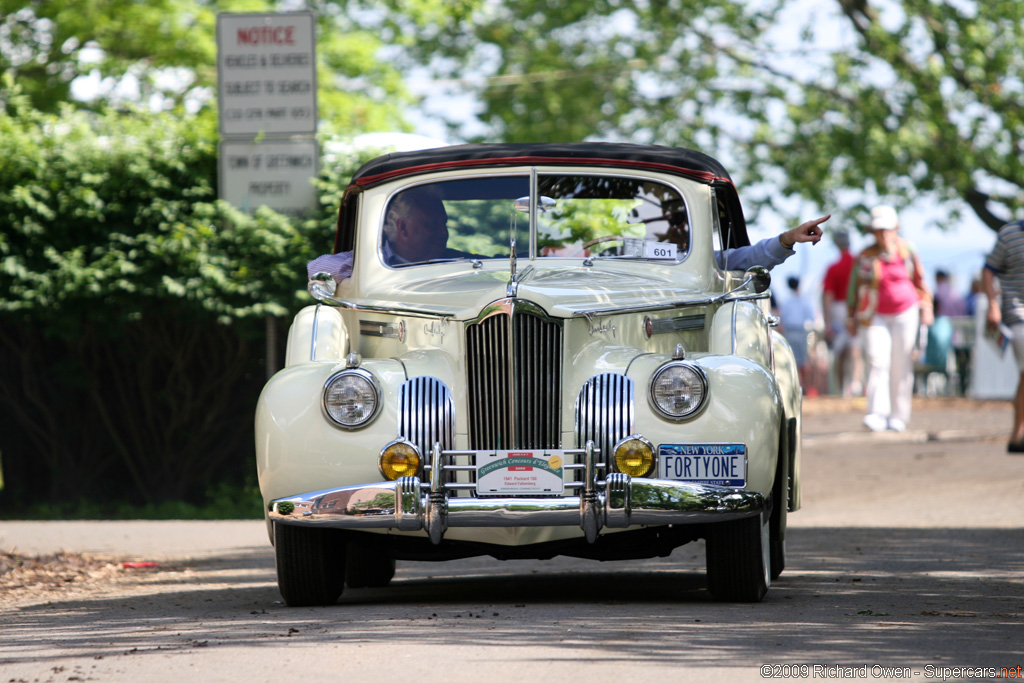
[(512, 247), (532, 207), (513, 283)]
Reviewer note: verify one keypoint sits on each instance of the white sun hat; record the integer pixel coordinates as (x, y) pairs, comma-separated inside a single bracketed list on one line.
[(884, 218)]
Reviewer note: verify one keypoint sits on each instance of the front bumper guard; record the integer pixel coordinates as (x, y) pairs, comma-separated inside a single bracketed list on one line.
[(617, 502)]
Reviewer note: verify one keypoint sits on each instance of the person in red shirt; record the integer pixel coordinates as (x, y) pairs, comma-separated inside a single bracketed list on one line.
[(844, 346)]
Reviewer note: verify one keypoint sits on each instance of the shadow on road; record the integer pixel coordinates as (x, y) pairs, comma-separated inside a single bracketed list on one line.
[(849, 596)]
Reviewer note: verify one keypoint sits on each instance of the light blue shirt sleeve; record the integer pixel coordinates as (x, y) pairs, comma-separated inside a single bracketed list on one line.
[(769, 253)]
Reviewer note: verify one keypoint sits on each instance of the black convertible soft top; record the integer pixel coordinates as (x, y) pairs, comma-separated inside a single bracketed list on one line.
[(676, 160)]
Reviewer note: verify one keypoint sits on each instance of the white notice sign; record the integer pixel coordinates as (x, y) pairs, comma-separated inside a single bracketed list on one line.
[(266, 68), (277, 174)]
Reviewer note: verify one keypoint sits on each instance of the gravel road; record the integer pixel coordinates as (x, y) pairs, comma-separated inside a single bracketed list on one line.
[(909, 552)]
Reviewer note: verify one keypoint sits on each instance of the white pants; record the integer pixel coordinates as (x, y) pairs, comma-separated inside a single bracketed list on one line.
[(888, 344)]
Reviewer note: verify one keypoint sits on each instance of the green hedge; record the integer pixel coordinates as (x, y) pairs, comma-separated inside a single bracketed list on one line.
[(133, 307)]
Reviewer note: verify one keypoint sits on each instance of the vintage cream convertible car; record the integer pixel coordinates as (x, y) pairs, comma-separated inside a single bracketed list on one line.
[(575, 372)]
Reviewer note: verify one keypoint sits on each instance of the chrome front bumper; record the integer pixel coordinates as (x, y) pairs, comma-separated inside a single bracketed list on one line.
[(408, 504)]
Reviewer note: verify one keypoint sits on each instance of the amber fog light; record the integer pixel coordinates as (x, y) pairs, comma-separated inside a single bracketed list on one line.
[(399, 459), (634, 456)]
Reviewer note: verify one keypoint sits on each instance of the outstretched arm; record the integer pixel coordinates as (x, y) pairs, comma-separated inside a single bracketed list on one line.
[(771, 251), (805, 232)]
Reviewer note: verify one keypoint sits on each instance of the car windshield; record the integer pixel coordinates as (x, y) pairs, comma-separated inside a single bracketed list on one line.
[(579, 216)]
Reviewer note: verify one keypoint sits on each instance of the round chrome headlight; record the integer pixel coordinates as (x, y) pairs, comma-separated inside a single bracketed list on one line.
[(678, 390), (351, 398)]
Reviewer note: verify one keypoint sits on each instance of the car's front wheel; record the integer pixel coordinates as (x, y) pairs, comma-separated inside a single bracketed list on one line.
[(310, 565), (739, 559)]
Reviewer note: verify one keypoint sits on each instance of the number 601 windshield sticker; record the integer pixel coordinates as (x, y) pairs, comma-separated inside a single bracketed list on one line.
[(718, 464)]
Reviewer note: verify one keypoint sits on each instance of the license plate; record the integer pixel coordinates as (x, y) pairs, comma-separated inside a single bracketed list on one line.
[(520, 472), (718, 464)]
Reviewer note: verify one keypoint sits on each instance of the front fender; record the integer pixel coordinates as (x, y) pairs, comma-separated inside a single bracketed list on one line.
[(740, 328), (297, 447), (316, 333), (743, 406), (792, 398)]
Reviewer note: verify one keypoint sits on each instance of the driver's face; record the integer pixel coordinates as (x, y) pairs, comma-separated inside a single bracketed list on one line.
[(423, 233)]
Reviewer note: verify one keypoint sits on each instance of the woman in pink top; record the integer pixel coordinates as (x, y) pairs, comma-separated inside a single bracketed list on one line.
[(888, 301)]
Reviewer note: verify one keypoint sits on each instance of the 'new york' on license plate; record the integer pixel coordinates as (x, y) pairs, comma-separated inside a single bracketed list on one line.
[(719, 464), (520, 472)]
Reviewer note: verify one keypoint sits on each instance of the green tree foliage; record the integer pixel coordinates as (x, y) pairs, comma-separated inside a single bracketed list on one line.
[(133, 305), (110, 214), (926, 105), (46, 44), (165, 52), (841, 102)]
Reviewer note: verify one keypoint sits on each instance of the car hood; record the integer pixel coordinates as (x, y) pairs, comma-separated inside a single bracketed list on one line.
[(561, 291)]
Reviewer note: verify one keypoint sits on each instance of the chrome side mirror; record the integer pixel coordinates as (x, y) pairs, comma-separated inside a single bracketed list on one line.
[(757, 279), (321, 286)]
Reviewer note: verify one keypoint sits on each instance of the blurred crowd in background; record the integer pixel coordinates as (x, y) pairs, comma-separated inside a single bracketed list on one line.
[(813, 317)]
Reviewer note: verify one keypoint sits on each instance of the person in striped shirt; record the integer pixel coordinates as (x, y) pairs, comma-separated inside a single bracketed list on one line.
[(1006, 263)]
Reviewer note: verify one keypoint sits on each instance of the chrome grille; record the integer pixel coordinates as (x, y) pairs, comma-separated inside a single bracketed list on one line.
[(604, 412), (514, 364), (425, 414)]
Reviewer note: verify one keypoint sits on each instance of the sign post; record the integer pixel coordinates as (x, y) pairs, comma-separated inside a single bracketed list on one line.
[(266, 94)]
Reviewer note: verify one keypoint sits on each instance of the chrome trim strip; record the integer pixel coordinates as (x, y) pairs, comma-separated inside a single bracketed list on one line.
[(514, 361), (605, 412), (408, 507), (735, 313), (587, 313), (426, 414), (373, 328), (681, 323), (644, 308), (316, 325), (411, 312), (534, 222)]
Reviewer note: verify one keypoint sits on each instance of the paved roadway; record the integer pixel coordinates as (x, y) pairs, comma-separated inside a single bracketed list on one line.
[(909, 552)]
